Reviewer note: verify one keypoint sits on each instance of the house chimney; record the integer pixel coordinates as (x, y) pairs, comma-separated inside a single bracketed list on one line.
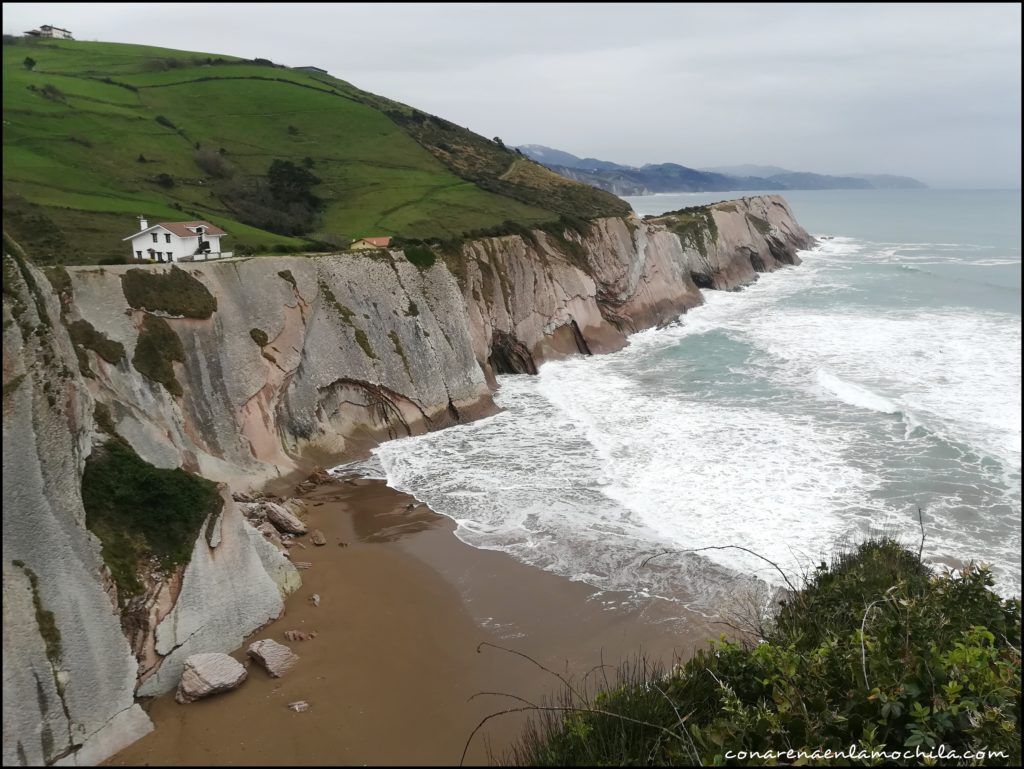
[(143, 224)]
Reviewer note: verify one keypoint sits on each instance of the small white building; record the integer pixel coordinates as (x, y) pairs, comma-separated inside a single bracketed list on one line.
[(48, 30), (177, 241)]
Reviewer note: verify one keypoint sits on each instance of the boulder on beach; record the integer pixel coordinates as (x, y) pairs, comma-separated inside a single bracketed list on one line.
[(299, 635), (318, 538), (276, 658), (284, 518), (206, 674)]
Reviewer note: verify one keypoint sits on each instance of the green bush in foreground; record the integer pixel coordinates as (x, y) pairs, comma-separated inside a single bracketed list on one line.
[(935, 668), (140, 512)]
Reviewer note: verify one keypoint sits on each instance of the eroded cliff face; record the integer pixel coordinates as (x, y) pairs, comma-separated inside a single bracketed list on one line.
[(305, 360), (531, 301)]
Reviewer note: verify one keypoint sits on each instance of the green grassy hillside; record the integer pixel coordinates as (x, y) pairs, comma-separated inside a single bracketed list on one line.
[(98, 133)]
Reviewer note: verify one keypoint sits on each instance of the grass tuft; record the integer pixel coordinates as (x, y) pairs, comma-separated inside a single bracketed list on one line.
[(287, 275), (259, 336)]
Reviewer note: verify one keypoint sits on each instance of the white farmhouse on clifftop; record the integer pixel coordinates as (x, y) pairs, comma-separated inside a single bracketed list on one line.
[(48, 30), (177, 241)]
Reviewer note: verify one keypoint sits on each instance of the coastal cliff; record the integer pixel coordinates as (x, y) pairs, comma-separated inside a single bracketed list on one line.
[(251, 371)]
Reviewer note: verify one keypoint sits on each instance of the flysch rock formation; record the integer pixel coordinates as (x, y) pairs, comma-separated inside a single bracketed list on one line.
[(358, 349)]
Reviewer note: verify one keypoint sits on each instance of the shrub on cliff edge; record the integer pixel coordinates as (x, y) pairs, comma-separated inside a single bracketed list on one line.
[(875, 651)]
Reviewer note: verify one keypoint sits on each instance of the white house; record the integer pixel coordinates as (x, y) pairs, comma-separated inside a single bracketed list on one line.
[(48, 30), (177, 241)]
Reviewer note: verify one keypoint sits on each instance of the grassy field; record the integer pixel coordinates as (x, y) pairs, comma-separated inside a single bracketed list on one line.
[(85, 153)]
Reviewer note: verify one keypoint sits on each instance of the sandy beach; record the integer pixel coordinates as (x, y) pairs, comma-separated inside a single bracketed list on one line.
[(392, 673)]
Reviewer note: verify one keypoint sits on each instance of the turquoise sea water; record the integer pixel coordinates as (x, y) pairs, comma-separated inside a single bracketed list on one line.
[(825, 402)]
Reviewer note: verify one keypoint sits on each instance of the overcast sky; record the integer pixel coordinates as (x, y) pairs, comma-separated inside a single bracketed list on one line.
[(932, 91)]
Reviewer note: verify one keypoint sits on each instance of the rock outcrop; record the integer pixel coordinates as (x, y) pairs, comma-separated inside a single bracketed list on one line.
[(303, 361), (207, 674)]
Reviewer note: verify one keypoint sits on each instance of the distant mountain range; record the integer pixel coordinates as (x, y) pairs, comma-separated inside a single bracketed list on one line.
[(671, 177)]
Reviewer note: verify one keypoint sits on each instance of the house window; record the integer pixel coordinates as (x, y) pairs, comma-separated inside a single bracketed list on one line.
[(169, 256), (138, 254), (167, 238), (154, 236)]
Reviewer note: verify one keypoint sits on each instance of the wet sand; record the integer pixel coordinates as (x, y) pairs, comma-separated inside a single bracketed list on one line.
[(389, 677)]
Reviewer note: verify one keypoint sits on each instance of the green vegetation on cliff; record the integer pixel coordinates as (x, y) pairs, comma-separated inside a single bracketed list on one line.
[(347, 317), (44, 617), (85, 337), (143, 515), (259, 336), (875, 651), (157, 349), (83, 333), (98, 133), (175, 292), (695, 226)]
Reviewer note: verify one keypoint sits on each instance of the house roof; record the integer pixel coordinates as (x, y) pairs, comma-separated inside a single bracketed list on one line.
[(379, 242), (50, 26), (181, 229)]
